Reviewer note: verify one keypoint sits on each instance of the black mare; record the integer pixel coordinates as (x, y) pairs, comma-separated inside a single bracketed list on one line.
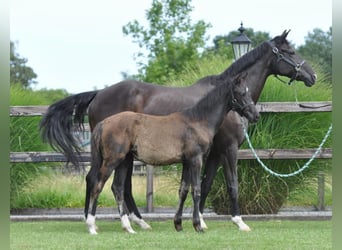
[(274, 57), (180, 137)]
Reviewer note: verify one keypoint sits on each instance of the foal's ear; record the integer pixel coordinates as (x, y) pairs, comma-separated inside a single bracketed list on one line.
[(241, 77)]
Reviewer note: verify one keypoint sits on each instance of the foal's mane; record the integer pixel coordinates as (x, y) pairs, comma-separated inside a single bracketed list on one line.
[(220, 94)]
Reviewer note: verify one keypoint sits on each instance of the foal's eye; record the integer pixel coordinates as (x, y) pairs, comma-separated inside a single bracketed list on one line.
[(288, 51)]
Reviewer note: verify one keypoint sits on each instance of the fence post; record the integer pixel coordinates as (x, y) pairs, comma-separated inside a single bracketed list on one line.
[(320, 179), (149, 188)]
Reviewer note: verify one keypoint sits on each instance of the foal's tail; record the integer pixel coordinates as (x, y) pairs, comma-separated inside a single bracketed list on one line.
[(58, 123), (96, 148)]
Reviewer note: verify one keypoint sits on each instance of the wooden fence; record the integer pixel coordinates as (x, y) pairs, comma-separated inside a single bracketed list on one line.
[(243, 154)]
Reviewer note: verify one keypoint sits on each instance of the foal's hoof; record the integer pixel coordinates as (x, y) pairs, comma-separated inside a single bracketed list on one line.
[(178, 228), (178, 225)]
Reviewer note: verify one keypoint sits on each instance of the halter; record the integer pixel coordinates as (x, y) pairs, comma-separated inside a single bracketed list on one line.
[(236, 106), (281, 56)]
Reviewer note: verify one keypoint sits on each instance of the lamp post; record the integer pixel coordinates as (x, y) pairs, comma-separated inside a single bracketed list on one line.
[(241, 44)]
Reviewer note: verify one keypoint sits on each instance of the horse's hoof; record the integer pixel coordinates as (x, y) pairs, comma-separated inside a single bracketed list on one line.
[(237, 220), (203, 224), (130, 230), (140, 222), (198, 228)]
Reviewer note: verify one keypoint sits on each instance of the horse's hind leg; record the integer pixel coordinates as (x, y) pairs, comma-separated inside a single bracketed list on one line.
[(183, 192), (134, 214), (90, 201), (229, 161), (210, 170), (118, 191)]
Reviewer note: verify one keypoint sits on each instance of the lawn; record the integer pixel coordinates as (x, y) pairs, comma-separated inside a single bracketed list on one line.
[(273, 234)]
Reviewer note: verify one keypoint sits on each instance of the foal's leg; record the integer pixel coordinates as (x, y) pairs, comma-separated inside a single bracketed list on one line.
[(195, 174), (95, 181), (229, 161), (118, 191), (183, 192)]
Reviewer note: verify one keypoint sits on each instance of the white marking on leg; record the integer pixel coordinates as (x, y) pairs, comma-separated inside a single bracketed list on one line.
[(237, 220), (203, 225), (91, 224), (139, 222), (126, 225)]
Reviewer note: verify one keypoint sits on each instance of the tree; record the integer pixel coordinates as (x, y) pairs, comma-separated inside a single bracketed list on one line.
[(256, 38), (171, 41), (19, 72), (318, 49)]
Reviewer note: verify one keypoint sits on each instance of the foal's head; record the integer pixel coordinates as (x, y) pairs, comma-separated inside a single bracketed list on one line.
[(242, 100)]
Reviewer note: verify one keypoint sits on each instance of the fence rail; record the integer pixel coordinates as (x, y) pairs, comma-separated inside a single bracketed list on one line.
[(266, 107), (243, 154)]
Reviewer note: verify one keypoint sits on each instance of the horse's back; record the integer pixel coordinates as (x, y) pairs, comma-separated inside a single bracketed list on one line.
[(142, 97)]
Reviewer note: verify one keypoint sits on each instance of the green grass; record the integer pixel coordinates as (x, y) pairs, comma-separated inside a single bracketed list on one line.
[(220, 235)]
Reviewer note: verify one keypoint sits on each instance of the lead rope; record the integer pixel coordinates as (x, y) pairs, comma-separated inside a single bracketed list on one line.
[(305, 166)]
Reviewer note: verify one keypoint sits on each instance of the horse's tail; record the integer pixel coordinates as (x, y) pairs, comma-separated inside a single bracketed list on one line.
[(58, 123)]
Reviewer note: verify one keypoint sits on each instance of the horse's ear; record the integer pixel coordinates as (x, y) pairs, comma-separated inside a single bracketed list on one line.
[(284, 35)]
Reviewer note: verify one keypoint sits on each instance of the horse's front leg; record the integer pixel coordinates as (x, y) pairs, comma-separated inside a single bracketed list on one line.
[(118, 191), (229, 161), (183, 192)]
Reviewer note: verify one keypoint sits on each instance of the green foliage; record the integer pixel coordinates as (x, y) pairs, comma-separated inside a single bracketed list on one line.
[(256, 37), (171, 40), (274, 234), (318, 50), (20, 73)]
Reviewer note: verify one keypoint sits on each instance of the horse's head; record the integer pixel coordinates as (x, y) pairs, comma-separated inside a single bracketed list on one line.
[(287, 63), (242, 100)]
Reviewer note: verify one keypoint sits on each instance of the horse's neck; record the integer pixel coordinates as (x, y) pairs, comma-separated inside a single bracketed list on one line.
[(259, 67), (256, 79)]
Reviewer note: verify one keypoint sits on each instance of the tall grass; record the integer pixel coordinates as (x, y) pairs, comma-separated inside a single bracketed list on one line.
[(53, 189), (24, 136)]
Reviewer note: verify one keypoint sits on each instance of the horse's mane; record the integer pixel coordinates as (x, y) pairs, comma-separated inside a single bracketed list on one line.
[(246, 60)]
